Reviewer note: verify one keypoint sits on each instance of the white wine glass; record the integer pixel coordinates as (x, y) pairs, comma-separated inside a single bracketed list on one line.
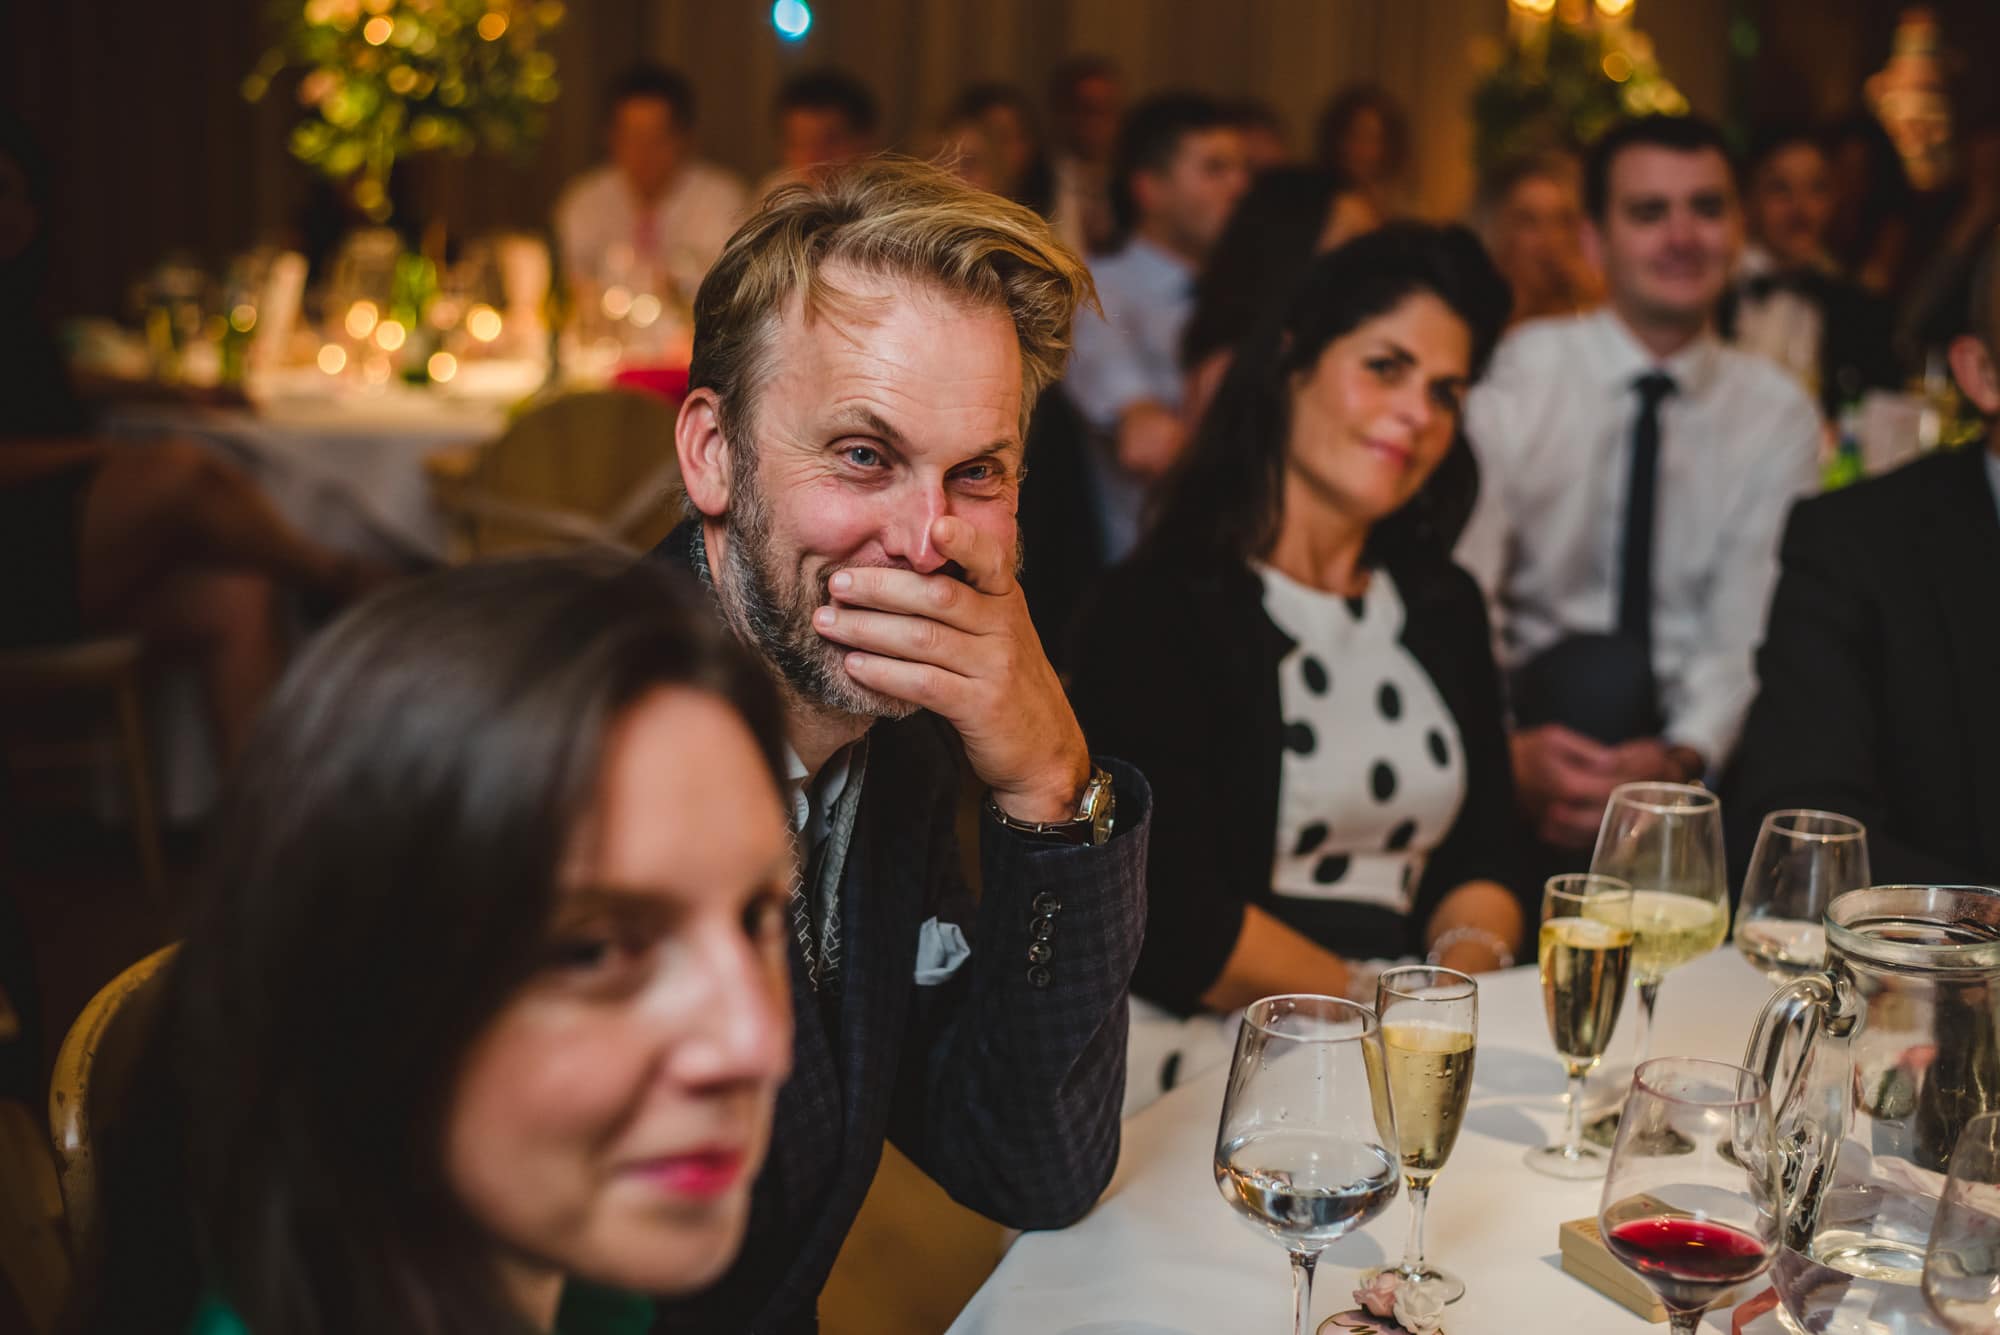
[(1691, 1200), (1962, 1265), (1665, 841), (1802, 860), (1430, 1033), (1306, 1149), (1585, 954)]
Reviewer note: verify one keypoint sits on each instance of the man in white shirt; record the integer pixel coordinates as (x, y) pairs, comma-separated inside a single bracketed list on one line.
[(1789, 301), (1635, 474), (654, 210), (1086, 103), (1179, 173)]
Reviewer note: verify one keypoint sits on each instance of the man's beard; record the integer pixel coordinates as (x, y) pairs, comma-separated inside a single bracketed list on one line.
[(775, 607)]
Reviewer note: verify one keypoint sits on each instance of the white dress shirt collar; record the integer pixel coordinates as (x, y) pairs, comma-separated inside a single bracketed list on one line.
[(1621, 358)]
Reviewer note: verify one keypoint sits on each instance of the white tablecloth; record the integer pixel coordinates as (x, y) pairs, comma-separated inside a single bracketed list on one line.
[(1163, 1255), (348, 469)]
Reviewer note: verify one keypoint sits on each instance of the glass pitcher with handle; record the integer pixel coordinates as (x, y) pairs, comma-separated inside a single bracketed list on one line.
[(1875, 1064)]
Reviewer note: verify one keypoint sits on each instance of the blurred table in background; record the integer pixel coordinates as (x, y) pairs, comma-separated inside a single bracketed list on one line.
[(347, 469)]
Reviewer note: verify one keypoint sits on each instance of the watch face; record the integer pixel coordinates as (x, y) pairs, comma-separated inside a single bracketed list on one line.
[(1103, 809)]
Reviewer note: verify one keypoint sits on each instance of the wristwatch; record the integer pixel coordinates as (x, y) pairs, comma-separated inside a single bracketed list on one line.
[(1091, 824)]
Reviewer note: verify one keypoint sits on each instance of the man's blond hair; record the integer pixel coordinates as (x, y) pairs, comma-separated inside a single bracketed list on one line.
[(898, 218)]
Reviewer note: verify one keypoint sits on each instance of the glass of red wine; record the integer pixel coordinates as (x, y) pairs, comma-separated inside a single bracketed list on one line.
[(1691, 1199)]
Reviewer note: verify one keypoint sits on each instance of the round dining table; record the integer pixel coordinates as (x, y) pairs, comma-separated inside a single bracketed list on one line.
[(1161, 1254)]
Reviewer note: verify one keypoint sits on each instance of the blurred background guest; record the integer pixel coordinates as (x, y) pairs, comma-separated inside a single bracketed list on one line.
[(992, 129), (1262, 131), (826, 117), (1880, 662), (1637, 473), (1364, 139), (1179, 174), (1790, 302), (1300, 669), (654, 203), (590, 924), (166, 538), (1273, 233), (1531, 212), (1869, 232), (1086, 105)]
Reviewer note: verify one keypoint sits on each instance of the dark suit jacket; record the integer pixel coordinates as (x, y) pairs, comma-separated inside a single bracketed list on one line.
[(1003, 1083), (1177, 666), (1880, 673)]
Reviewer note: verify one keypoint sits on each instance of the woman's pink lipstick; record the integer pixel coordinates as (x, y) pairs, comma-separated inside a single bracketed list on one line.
[(702, 1173)]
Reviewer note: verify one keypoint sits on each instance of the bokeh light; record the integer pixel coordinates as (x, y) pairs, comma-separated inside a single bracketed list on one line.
[(442, 366), (361, 317), (483, 323), (332, 358), (792, 18)]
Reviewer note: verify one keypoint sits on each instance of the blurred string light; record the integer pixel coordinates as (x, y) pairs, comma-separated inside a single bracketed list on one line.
[(792, 18)]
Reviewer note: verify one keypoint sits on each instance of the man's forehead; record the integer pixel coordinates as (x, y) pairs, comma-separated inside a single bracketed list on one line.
[(900, 343), (1650, 170)]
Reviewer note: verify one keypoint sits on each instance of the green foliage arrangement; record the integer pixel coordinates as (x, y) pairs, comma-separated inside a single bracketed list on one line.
[(1562, 84), (382, 79)]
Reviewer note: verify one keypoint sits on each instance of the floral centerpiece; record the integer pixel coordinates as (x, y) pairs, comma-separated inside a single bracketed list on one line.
[(1566, 72), (386, 78)]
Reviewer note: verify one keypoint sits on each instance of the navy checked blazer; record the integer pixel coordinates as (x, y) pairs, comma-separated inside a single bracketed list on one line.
[(1003, 1083)]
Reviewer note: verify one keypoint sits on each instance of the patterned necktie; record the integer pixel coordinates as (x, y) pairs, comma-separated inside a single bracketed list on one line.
[(802, 916), (1635, 589)]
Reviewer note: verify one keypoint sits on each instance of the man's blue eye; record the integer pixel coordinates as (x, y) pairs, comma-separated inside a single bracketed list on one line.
[(862, 455)]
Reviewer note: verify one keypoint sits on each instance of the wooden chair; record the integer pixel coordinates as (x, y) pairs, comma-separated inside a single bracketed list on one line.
[(586, 469), (100, 1047), (108, 671)]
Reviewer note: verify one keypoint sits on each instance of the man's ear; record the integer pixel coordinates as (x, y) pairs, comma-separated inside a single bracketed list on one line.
[(1972, 366), (704, 452)]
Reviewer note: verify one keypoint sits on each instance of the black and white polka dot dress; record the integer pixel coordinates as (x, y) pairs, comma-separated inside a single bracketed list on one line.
[(1372, 774)]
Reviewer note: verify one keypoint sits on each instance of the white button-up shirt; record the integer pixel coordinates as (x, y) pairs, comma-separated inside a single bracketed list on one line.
[(1552, 426), (680, 234)]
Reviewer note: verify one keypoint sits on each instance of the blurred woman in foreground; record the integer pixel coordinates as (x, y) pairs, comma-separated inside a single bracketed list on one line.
[(480, 1019)]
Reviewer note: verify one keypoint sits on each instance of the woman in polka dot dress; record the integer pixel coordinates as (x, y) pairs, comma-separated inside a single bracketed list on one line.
[(1305, 677)]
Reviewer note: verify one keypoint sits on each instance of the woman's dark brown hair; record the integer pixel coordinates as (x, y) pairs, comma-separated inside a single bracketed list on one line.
[(380, 880), (1224, 500)]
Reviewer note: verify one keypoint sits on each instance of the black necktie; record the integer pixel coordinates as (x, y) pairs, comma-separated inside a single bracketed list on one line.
[(1635, 585)]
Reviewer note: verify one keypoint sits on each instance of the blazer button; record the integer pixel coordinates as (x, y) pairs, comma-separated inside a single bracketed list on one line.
[(1038, 975), (1047, 903), (1040, 953), (1043, 928)]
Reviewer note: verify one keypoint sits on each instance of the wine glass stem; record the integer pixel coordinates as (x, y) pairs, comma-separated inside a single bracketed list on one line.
[(1302, 1291), (1572, 1145), (1649, 993), (1413, 1250), (1684, 1323)]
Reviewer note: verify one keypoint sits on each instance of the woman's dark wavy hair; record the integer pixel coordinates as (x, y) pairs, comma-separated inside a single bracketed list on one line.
[(1272, 234), (381, 880), (1225, 500)]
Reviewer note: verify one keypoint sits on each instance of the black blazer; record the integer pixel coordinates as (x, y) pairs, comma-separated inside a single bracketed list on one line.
[(1880, 673), (1176, 664), (1003, 1083)]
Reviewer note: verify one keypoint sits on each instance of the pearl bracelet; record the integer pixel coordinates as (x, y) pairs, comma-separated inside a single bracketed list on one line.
[(1451, 936)]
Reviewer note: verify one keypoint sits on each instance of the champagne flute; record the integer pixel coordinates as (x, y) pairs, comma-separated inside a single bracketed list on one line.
[(1585, 952), (1802, 860), (1665, 841), (1962, 1265), (1691, 1200), (1430, 1028), (1305, 1151)]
